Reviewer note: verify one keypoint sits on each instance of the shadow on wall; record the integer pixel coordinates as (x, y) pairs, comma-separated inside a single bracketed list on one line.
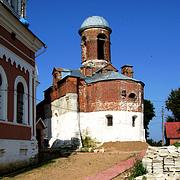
[(60, 148)]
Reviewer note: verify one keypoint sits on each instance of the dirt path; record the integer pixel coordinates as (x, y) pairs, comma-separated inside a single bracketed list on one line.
[(81, 165)]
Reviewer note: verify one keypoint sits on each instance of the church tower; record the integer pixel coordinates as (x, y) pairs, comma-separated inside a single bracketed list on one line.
[(95, 43), (18, 8)]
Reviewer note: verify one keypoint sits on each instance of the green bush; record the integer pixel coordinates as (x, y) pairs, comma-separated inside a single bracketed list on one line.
[(138, 170), (88, 142), (177, 144)]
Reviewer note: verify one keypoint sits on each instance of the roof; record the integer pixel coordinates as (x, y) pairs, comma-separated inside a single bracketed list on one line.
[(20, 23), (172, 130), (110, 75), (98, 76), (40, 123), (94, 21)]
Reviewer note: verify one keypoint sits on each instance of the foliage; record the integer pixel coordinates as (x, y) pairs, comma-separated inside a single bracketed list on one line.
[(88, 142), (148, 115), (138, 170), (169, 119), (154, 143), (173, 104), (177, 144)]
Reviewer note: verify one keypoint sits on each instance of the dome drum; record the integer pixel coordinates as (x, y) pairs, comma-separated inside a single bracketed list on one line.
[(94, 22)]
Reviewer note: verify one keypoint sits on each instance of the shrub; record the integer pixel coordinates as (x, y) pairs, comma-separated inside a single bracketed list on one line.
[(88, 143), (177, 144), (138, 170)]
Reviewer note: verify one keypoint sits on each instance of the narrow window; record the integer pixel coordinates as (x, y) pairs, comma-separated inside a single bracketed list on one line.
[(133, 120), (101, 45), (14, 5), (109, 120), (84, 49), (20, 102), (1, 96), (123, 93)]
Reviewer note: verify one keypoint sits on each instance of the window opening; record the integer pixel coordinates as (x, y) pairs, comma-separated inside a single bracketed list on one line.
[(84, 50), (133, 120), (132, 95), (14, 5), (20, 103), (123, 93), (1, 109), (109, 120), (101, 43)]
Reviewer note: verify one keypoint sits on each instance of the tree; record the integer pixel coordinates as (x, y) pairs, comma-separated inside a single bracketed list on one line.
[(173, 104), (148, 115)]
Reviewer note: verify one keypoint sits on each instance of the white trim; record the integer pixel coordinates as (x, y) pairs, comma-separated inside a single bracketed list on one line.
[(17, 48), (15, 124), (25, 109), (3, 92), (94, 61), (15, 58)]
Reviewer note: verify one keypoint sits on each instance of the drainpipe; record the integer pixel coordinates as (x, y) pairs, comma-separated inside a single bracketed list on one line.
[(78, 114)]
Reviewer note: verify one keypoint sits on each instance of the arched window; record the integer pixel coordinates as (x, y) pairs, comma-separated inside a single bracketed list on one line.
[(109, 120), (101, 45), (20, 103), (14, 5), (133, 120), (3, 94), (132, 96), (84, 48)]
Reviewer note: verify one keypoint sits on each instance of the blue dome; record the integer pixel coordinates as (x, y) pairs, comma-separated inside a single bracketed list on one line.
[(94, 21), (24, 22)]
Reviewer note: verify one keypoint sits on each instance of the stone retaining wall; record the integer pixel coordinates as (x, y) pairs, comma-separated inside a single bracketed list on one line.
[(162, 159)]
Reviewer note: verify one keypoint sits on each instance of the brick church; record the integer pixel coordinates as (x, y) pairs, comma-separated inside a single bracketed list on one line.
[(18, 82), (95, 99)]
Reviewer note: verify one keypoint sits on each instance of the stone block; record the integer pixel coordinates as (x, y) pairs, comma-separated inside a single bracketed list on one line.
[(171, 149)]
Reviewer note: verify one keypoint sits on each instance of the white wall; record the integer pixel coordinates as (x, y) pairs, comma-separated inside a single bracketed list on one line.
[(96, 125), (16, 151), (66, 123), (66, 126)]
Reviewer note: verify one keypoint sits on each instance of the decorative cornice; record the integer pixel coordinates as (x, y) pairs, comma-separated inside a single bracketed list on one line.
[(12, 24), (7, 55)]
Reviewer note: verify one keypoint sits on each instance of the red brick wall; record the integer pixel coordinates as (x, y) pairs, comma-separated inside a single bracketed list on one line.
[(172, 141), (106, 95), (11, 131), (67, 85), (11, 73), (102, 96), (19, 45)]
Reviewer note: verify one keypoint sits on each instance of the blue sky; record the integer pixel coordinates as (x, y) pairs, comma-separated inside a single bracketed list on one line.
[(145, 34)]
